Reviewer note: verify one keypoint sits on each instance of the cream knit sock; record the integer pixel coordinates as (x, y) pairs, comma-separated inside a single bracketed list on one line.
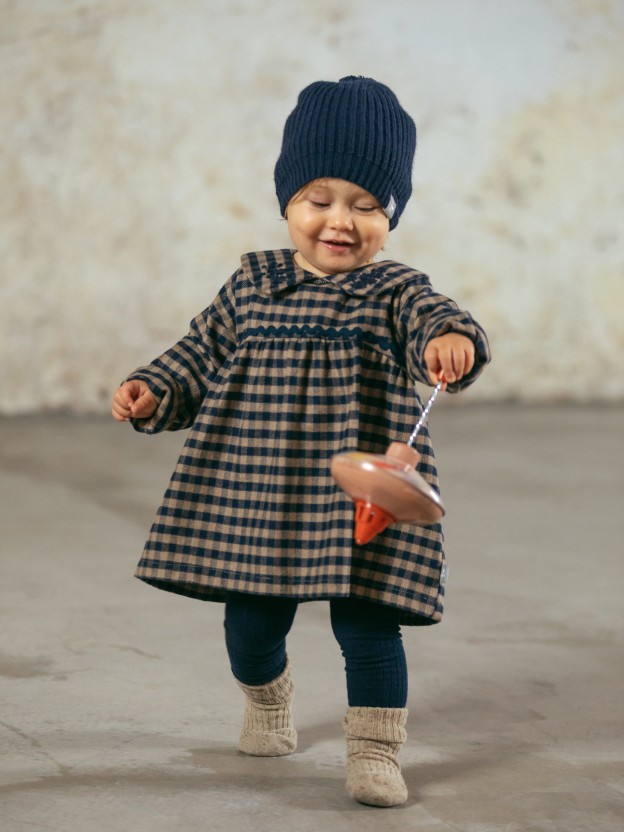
[(374, 737), (268, 729)]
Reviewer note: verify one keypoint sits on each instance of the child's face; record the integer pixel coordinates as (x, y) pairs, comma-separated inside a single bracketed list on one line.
[(336, 226)]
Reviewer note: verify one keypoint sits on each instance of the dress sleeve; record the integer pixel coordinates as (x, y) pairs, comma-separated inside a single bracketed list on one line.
[(425, 314), (180, 377)]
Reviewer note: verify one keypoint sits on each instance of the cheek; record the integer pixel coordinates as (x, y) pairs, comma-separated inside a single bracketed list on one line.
[(379, 237), (295, 231), (376, 229), (306, 225)]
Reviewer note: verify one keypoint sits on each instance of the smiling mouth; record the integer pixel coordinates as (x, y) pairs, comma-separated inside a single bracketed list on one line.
[(338, 245)]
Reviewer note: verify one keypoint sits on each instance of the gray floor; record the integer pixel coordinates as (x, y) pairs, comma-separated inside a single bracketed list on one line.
[(119, 713)]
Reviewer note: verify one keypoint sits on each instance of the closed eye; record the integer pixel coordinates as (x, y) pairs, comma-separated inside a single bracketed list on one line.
[(366, 208)]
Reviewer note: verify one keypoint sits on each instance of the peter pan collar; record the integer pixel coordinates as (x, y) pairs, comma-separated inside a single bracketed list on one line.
[(274, 272)]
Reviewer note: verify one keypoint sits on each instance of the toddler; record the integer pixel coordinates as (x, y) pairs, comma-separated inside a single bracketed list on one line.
[(304, 354)]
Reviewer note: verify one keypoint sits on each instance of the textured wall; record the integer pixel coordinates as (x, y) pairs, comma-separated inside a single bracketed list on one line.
[(139, 140)]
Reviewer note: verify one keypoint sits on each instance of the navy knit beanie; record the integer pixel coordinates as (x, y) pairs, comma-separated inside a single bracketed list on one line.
[(356, 130)]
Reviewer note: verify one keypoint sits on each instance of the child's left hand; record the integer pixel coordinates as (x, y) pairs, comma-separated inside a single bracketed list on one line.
[(451, 354)]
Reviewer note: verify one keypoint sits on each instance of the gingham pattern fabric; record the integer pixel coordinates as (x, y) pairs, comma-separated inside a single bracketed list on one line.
[(280, 373)]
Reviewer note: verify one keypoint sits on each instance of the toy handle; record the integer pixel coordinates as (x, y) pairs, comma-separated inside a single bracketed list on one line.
[(439, 386)]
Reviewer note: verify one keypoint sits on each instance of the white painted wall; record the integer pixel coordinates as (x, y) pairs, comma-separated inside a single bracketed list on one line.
[(138, 145)]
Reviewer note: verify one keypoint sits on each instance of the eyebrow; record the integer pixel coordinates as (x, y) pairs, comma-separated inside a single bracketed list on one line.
[(326, 189)]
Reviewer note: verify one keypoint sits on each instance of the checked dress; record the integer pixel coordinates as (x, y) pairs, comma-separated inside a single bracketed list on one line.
[(281, 372)]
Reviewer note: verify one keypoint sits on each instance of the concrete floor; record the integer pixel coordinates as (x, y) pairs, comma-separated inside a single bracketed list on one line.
[(118, 710)]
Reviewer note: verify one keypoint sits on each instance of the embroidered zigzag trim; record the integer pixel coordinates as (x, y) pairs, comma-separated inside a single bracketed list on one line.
[(297, 331)]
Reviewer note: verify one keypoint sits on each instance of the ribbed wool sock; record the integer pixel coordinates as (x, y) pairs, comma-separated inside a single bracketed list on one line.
[(268, 729), (374, 737)]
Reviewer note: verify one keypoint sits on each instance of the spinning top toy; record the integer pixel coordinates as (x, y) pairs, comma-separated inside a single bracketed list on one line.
[(386, 488)]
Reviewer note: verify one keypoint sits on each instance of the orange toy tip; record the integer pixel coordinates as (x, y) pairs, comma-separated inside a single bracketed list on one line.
[(369, 521)]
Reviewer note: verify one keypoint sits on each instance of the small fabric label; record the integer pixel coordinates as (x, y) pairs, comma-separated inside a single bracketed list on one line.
[(390, 208)]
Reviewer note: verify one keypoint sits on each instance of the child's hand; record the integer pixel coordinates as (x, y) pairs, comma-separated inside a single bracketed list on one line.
[(134, 400), (452, 354)]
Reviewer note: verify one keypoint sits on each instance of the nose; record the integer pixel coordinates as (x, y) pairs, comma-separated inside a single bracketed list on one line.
[(340, 219)]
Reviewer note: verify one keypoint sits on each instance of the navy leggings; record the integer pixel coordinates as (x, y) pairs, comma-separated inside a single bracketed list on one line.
[(369, 636)]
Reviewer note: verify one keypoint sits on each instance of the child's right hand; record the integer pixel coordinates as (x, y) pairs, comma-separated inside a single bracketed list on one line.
[(133, 400)]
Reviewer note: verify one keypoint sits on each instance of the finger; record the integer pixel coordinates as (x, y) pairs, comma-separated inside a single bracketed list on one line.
[(145, 405), (119, 401), (122, 414), (434, 375), (469, 359), (458, 364), (432, 363), (448, 367), (131, 392), (463, 361)]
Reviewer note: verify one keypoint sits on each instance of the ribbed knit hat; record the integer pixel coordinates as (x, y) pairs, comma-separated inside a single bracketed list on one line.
[(356, 130)]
